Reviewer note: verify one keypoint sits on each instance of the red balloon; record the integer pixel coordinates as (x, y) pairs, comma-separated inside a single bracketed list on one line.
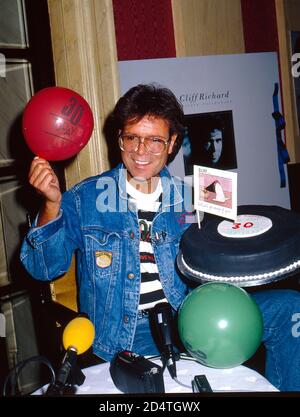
[(57, 123)]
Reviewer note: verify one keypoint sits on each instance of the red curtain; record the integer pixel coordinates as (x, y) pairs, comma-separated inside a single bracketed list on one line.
[(260, 26), (144, 29)]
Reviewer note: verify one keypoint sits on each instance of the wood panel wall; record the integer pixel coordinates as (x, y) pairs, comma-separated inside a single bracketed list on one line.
[(208, 27)]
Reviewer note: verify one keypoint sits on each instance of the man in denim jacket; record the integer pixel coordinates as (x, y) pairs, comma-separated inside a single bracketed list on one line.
[(98, 220)]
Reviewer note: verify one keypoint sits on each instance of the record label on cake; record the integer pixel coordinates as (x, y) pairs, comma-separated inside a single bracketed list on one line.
[(246, 225)]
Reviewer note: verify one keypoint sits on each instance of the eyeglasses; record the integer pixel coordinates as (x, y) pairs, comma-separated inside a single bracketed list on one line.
[(153, 144)]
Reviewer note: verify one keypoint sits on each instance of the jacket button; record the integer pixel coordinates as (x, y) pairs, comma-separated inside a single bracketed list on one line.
[(126, 319), (132, 235), (131, 275)]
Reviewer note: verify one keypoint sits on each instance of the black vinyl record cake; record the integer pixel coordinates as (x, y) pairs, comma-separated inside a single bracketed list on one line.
[(262, 246)]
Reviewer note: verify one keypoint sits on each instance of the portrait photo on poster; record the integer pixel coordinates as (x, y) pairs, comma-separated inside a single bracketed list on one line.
[(209, 141)]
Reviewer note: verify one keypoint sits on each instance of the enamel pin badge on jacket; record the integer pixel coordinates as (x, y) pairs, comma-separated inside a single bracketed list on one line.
[(103, 259)]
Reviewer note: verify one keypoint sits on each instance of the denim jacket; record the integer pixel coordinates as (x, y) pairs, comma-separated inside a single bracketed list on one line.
[(99, 223)]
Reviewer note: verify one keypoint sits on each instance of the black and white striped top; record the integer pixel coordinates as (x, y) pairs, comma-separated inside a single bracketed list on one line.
[(151, 291)]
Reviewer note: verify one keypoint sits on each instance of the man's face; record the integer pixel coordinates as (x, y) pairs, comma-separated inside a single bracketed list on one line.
[(214, 145), (141, 164)]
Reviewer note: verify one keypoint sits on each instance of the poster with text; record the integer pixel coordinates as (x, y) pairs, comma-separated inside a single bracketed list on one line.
[(228, 106)]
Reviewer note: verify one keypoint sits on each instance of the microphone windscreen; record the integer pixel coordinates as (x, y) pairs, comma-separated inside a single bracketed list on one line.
[(79, 333)]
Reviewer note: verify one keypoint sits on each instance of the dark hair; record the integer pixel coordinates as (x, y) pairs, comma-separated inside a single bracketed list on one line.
[(210, 124), (152, 100)]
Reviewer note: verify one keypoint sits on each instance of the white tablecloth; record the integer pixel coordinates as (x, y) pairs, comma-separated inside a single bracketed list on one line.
[(238, 379)]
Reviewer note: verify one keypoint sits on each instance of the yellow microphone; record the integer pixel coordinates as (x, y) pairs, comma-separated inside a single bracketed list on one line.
[(78, 337)]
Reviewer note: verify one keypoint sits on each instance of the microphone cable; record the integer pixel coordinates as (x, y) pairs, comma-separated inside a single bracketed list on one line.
[(183, 356), (12, 377)]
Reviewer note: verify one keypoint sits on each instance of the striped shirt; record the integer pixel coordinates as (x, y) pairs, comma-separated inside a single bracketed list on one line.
[(151, 291)]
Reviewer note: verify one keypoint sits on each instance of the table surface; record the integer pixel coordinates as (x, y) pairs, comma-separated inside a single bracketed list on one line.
[(237, 379)]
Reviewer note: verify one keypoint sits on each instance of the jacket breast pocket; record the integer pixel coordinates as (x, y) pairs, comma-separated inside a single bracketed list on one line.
[(103, 251)]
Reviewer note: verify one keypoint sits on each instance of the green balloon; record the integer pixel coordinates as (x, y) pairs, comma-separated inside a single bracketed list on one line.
[(220, 325)]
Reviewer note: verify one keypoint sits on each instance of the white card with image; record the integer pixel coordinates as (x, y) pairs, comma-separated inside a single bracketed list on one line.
[(215, 191)]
